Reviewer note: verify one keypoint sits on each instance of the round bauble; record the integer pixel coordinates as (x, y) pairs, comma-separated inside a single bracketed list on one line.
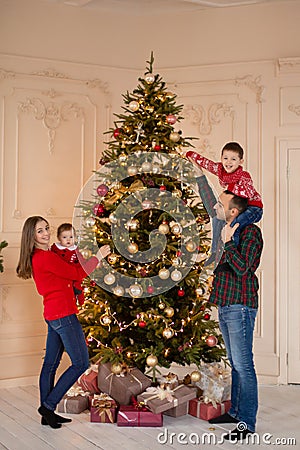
[(151, 360), (180, 292), (112, 258), (90, 221), (157, 147), (133, 105), (86, 253), (119, 291), (168, 333), (102, 190), (174, 136), (176, 229), (206, 316), (149, 78), (164, 274), (176, 275), (112, 218), (132, 170), (164, 228), (116, 368), (122, 157), (191, 246), (146, 166), (109, 279), (133, 248), (161, 305), (211, 341), (135, 290), (99, 210), (195, 376), (117, 132), (171, 119), (142, 324), (150, 289), (169, 311)]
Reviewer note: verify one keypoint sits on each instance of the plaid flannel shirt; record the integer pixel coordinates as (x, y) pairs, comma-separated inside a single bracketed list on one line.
[(240, 284)]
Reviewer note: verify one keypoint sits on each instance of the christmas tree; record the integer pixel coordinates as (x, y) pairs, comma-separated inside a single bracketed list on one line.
[(147, 304)]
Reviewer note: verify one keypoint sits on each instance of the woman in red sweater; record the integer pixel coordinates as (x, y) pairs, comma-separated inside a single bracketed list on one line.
[(54, 281)]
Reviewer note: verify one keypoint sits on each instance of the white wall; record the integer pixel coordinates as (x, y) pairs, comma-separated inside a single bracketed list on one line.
[(242, 62)]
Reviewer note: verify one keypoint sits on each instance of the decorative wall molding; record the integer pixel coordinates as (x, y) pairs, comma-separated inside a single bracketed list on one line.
[(287, 65), (52, 114), (206, 119), (4, 74), (295, 109), (252, 83)]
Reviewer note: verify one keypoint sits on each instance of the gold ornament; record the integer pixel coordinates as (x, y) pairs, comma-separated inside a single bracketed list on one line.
[(86, 253), (174, 136), (135, 290), (164, 228), (195, 376), (116, 368), (176, 229), (169, 311), (132, 170), (168, 333), (149, 78), (134, 105), (176, 275), (112, 258), (161, 305), (90, 221), (151, 361), (146, 166), (118, 290), (132, 224), (191, 246), (164, 274), (133, 248), (122, 157)]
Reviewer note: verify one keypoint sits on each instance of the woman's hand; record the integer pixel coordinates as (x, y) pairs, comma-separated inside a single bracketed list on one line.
[(103, 252)]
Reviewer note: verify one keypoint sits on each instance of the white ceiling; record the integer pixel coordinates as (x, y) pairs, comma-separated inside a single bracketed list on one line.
[(155, 6)]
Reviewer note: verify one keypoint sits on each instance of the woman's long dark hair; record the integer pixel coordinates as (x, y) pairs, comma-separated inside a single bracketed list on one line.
[(24, 268)]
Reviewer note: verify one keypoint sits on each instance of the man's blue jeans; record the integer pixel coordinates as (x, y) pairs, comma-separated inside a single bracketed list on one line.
[(63, 334), (237, 327)]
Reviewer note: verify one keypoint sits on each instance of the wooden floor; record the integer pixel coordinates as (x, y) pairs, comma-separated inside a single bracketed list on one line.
[(20, 429)]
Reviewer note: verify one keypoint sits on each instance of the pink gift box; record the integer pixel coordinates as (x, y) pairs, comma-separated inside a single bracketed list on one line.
[(131, 416), (103, 411), (207, 411)]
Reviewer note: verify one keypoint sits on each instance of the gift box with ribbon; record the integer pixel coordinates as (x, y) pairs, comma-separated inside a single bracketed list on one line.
[(138, 416), (89, 380), (159, 400), (207, 410), (74, 402), (215, 382), (103, 409), (122, 386)]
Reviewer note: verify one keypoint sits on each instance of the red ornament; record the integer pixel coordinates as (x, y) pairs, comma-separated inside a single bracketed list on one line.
[(180, 292), (171, 119), (102, 190), (162, 188), (157, 147), (150, 289), (206, 316), (178, 253), (117, 132), (142, 324), (93, 283), (211, 341), (99, 210)]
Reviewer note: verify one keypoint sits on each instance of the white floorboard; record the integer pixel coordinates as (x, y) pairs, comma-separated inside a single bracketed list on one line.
[(20, 428)]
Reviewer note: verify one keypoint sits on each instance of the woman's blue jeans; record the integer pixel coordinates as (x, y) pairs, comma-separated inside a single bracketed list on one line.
[(63, 334), (237, 327)]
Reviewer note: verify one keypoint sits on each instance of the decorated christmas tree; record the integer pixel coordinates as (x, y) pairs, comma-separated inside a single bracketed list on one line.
[(146, 305)]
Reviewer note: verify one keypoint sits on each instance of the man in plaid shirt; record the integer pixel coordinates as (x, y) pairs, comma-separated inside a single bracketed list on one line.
[(235, 291)]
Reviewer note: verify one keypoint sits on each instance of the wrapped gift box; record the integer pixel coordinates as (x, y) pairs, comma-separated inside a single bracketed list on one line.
[(170, 380), (178, 411), (88, 381), (159, 400), (74, 402), (207, 411), (103, 409), (131, 416), (215, 382), (122, 387)]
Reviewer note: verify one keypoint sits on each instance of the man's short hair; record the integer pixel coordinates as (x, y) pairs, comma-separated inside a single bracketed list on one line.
[(240, 203)]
